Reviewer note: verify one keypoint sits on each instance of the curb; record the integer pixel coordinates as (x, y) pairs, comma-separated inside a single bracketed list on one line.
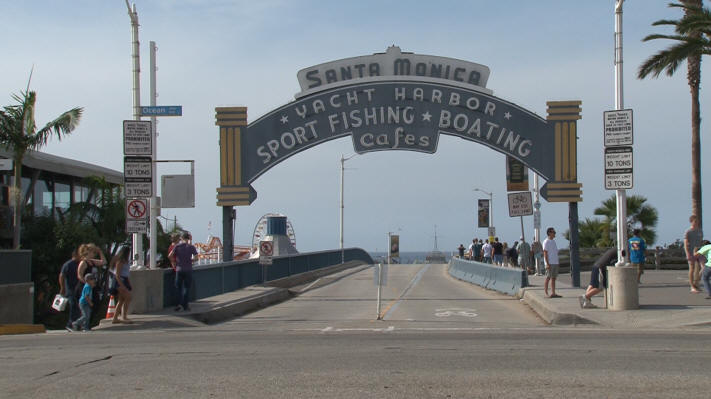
[(12, 329), (242, 306), (549, 314)]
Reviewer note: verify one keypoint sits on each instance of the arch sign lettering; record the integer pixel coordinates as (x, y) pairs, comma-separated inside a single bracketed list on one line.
[(397, 101)]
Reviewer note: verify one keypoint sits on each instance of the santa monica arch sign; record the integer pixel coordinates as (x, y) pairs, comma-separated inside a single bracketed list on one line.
[(397, 101)]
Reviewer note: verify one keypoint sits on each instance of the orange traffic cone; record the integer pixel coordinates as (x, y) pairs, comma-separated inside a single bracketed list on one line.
[(111, 311)]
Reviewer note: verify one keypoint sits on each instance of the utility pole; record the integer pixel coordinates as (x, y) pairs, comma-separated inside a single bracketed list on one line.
[(343, 161), (133, 14), (154, 205), (619, 104)]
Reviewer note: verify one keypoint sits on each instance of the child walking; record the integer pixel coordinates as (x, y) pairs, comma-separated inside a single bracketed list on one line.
[(85, 303)]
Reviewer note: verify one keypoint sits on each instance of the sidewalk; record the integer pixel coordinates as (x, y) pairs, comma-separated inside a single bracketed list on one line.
[(664, 303)]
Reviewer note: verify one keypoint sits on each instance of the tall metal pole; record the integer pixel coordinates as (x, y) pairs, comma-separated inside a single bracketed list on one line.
[(536, 210), (133, 14), (619, 104), (155, 207), (343, 161)]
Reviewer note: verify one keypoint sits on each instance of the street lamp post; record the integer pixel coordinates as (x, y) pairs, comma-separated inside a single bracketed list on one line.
[(491, 205), (343, 161)]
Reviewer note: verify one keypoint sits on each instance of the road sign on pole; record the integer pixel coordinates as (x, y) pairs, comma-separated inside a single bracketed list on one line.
[(266, 251), (137, 138), (520, 204), (138, 176), (137, 216), (618, 127), (618, 168), (162, 110)]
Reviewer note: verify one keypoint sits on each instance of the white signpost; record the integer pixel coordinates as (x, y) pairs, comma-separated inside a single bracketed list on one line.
[(618, 168), (137, 138), (618, 127), (520, 204), (137, 216), (138, 177)]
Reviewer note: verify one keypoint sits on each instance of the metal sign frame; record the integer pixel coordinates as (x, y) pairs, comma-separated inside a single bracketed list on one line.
[(137, 138), (618, 127), (619, 168), (520, 204)]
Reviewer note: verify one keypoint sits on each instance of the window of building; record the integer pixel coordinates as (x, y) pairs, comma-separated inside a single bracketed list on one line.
[(62, 194)]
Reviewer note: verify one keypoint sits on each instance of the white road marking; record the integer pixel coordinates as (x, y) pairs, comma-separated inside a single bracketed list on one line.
[(311, 285), (447, 312)]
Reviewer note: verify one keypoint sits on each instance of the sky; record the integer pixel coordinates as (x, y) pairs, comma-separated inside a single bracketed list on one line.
[(214, 53)]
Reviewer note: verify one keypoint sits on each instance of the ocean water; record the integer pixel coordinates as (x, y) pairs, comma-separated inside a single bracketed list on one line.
[(406, 257)]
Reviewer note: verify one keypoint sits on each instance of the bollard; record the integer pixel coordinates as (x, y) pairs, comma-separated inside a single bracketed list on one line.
[(622, 288)]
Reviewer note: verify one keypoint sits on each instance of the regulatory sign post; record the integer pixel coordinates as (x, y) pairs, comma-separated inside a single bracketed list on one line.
[(521, 204), (618, 127), (266, 251), (138, 177), (618, 168), (137, 138), (137, 216)]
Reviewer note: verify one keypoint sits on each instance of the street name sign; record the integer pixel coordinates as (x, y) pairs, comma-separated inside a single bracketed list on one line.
[(618, 168), (162, 110), (137, 216), (520, 204), (138, 177), (618, 127), (137, 138)]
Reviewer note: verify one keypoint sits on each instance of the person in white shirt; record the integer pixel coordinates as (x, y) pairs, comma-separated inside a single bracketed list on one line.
[(550, 255), (487, 249)]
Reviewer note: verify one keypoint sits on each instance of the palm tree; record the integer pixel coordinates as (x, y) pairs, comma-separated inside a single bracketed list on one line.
[(639, 214), (18, 133), (693, 39)]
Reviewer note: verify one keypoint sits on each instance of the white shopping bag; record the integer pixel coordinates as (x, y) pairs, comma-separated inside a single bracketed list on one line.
[(59, 303)]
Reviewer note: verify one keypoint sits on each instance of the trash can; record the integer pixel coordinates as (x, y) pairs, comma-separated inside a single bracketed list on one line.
[(622, 288)]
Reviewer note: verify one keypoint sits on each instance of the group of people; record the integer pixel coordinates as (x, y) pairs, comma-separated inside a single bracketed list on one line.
[(697, 255), (520, 254), (79, 280)]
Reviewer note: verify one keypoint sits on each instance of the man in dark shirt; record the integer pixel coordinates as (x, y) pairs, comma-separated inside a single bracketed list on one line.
[(184, 254), (68, 280), (498, 252)]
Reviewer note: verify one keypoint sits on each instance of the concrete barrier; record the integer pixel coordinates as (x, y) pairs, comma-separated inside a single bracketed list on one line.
[(502, 279), (17, 303), (147, 291)]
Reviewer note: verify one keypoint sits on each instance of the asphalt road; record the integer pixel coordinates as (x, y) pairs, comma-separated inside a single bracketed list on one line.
[(327, 344)]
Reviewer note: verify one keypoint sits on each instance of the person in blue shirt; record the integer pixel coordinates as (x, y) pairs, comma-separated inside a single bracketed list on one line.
[(636, 247), (85, 303)]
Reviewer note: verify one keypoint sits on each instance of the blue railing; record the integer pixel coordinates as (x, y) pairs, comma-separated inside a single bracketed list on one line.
[(219, 278)]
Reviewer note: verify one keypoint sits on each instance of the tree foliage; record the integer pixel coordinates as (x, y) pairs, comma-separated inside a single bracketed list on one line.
[(691, 40), (19, 134)]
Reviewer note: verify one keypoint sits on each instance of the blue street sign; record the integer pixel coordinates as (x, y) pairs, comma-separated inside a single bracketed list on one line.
[(162, 110)]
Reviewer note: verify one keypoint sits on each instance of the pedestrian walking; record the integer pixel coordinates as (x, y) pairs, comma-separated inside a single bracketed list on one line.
[(537, 249), (470, 250), (512, 255), (174, 240), (498, 252), (486, 251), (636, 247), (461, 251), (184, 254), (86, 302), (120, 286), (68, 285), (692, 239), (706, 274), (477, 250), (524, 255), (550, 255)]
